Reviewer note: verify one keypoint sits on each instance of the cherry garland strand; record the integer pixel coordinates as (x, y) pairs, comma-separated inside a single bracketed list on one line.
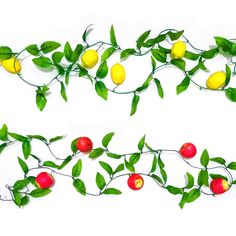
[(22, 189), (160, 59)]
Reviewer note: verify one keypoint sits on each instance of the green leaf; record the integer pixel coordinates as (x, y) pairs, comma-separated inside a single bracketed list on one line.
[(134, 158), (126, 53), (63, 91), (145, 84), (175, 35), (204, 158), (141, 143), (76, 170), (228, 75), (96, 153), (159, 55), (203, 178), (159, 88), (224, 44), (54, 139), (5, 53), (100, 181), (134, 105), (2, 147), (26, 148), (86, 32), (216, 176), (107, 53), (3, 132), (76, 53), (210, 53), (101, 89), (50, 164), (16, 197), (174, 190), (234, 182), (232, 165), (40, 192), (106, 167), (154, 164), (18, 137), (73, 146), (49, 46), (119, 168), (193, 195), (68, 52), (106, 139), (190, 181), (82, 71), (160, 162), (21, 184), (67, 76), (23, 165), (191, 56), (183, 200), (183, 85), (57, 57), (79, 186), (129, 166), (113, 155), (24, 200), (32, 180), (33, 49), (154, 64), (39, 137), (65, 162), (157, 178), (164, 175), (113, 37), (165, 50), (180, 63), (231, 94), (219, 160), (142, 38), (102, 70), (112, 191), (43, 62)]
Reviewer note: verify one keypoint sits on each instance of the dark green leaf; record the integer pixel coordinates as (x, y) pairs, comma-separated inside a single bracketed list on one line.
[(21, 184), (141, 143), (73, 146), (23, 165), (224, 44), (157, 178), (164, 175), (154, 164), (183, 85), (159, 88), (54, 139), (113, 155), (18, 137), (134, 105), (67, 76), (106, 167), (50, 164), (49, 46), (204, 158), (165, 50), (113, 37), (193, 195), (119, 168), (26, 148), (112, 191), (210, 53), (159, 55), (232, 165), (191, 56), (134, 158), (101, 89), (145, 84), (5, 53), (190, 181), (231, 94), (63, 91), (175, 35), (219, 160), (76, 53), (43, 62), (57, 57), (126, 53), (129, 166), (142, 38), (174, 190), (2, 147), (41, 101), (102, 70), (228, 75), (24, 200), (183, 200), (32, 180), (33, 49), (16, 197), (65, 162), (39, 137), (96, 153), (216, 176), (3, 132), (153, 64), (203, 178), (79, 186), (178, 63), (106, 139), (160, 162), (76, 170), (86, 32), (68, 52), (40, 192), (107, 53), (100, 181)]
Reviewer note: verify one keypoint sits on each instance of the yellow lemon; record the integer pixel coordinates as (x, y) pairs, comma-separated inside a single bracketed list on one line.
[(117, 74), (89, 58), (216, 80), (178, 50), (11, 65)]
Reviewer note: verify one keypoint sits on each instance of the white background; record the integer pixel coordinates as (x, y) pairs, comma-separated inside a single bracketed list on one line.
[(206, 119)]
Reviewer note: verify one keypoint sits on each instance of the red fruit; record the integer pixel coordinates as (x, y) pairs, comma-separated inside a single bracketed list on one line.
[(219, 186), (84, 144), (188, 150), (135, 181), (44, 180)]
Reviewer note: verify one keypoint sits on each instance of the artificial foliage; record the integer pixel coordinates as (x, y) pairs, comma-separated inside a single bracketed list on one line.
[(22, 190), (66, 62)]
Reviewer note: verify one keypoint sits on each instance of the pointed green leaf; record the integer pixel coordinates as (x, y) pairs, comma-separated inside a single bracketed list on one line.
[(100, 181), (76, 170), (106, 139), (102, 70), (101, 89), (159, 88), (40, 192), (79, 186), (183, 85), (49, 46), (96, 153), (3, 132), (134, 105), (141, 143), (106, 167), (23, 165), (112, 191), (204, 158), (113, 37), (26, 148)]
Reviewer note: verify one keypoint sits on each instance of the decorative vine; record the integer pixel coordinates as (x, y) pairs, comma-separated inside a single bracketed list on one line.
[(208, 181), (67, 63)]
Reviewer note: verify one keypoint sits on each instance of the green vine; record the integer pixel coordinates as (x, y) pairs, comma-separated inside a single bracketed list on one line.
[(25, 188), (67, 63)]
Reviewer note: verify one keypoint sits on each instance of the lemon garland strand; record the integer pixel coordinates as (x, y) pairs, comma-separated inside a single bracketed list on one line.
[(25, 188), (85, 56)]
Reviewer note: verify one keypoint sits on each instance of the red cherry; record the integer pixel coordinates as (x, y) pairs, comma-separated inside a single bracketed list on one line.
[(219, 186), (135, 182), (188, 150), (44, 180), (84, 144)]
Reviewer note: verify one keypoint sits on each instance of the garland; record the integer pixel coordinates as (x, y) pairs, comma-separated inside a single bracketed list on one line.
[(67, 63), (21, 190)]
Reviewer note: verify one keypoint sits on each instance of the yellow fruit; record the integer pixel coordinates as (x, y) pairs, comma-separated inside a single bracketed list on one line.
[(178, 50), (89, 58), (117, 74), (216, 80), (11, 65)]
